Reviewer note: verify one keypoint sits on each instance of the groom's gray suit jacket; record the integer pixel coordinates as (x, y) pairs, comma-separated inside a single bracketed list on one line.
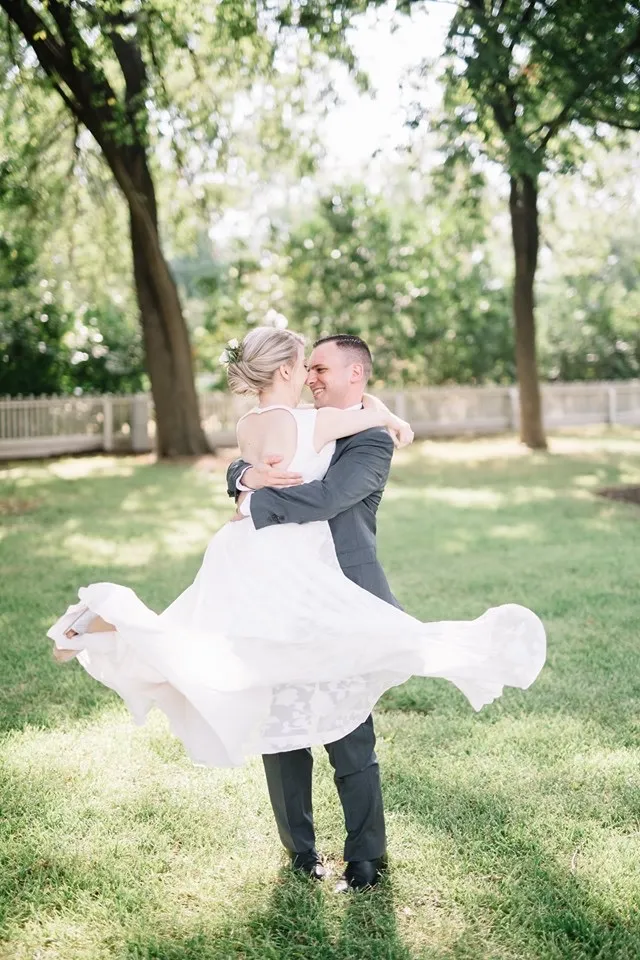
[(348, 497)]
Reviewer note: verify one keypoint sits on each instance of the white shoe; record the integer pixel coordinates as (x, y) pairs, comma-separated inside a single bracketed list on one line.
[(67, 632)]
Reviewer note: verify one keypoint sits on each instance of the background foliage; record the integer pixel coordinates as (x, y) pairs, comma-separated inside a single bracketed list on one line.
[(418, 262)]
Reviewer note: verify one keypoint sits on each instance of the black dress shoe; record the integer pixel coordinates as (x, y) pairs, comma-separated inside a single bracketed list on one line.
[(308, 863), (361, 875)]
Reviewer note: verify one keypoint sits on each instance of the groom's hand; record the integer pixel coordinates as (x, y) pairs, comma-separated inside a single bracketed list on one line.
[(268, 474)]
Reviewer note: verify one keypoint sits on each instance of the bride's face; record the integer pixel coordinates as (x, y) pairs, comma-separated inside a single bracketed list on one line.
[(298, 375)]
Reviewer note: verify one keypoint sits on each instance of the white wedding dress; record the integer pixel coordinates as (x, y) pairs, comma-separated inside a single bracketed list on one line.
[(272, 648)]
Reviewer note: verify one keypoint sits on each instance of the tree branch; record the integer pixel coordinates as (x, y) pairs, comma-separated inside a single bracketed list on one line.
[(89, 89), (80, 82), (588, 82), (61, 13), (48, 49), (633, 46), (523, 23), (554, 125), (504, 109), (132, 65), (156, 66), (479, 7), (619, 124), (177, 151)]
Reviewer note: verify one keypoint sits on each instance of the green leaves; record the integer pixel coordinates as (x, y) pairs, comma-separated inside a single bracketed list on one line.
[(417, 286), (535, 70)]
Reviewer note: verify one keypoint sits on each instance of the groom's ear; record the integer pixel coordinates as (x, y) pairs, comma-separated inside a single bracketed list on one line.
[(357, 372)]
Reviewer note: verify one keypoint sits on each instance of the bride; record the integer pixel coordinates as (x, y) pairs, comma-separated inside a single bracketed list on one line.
[(272, 648)]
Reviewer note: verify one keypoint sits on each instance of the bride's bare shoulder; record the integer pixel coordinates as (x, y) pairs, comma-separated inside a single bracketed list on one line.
[(280, 419)]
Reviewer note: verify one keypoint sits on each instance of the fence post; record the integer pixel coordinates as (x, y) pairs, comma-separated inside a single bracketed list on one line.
[(400, 405), (611, 405), (514, 409), (140, 441), (107, 423)]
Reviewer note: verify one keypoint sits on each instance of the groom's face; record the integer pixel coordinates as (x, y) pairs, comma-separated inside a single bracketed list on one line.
[(333, 377)]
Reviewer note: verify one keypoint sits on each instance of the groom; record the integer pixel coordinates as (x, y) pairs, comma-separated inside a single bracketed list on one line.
[(348, 497)]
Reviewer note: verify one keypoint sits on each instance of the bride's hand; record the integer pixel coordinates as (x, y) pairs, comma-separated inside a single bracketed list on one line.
[(401, 432), (268, 474)]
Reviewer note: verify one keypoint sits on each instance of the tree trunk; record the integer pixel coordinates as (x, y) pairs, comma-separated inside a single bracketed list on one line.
[(85, 89), (168, 357), (167, 348), (523, 207)]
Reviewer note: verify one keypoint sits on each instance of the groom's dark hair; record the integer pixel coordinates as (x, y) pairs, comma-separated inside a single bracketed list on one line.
[(355, 346)]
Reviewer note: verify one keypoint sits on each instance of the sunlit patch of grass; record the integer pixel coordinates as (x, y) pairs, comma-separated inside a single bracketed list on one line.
[(76, 468), (513, 833), (453, 496), (101, 550), (516, 531)]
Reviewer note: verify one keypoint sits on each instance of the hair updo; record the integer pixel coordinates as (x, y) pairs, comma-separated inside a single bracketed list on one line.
[(262, 351)]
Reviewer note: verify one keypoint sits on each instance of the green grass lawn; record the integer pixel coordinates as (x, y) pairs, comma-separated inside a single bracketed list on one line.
[(513, 833)]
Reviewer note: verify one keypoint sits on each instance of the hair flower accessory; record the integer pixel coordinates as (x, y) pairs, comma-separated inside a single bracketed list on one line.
[(232, 353)]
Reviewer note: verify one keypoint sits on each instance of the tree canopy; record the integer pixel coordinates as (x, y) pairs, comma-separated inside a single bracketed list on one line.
[(185, 111)]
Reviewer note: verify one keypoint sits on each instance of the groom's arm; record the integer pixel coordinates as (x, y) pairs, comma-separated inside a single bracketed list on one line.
[(361, 469), (234, 472), (265, 474)]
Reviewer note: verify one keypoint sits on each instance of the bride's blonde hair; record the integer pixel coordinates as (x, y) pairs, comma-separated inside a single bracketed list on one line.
[(263, 350)]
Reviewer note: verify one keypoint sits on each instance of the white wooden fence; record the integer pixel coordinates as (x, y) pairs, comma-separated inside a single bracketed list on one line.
[(43, 427), (49, 426)]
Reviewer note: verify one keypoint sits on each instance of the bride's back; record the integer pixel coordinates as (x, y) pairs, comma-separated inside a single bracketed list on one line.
[(268, 433)]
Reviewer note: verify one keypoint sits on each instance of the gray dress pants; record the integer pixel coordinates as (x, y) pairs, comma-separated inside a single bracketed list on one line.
[(357, 778)]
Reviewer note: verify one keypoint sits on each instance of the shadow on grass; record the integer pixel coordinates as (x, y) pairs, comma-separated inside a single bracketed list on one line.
[(60, 884), (522, 904), (528, 900), (295, 925)]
